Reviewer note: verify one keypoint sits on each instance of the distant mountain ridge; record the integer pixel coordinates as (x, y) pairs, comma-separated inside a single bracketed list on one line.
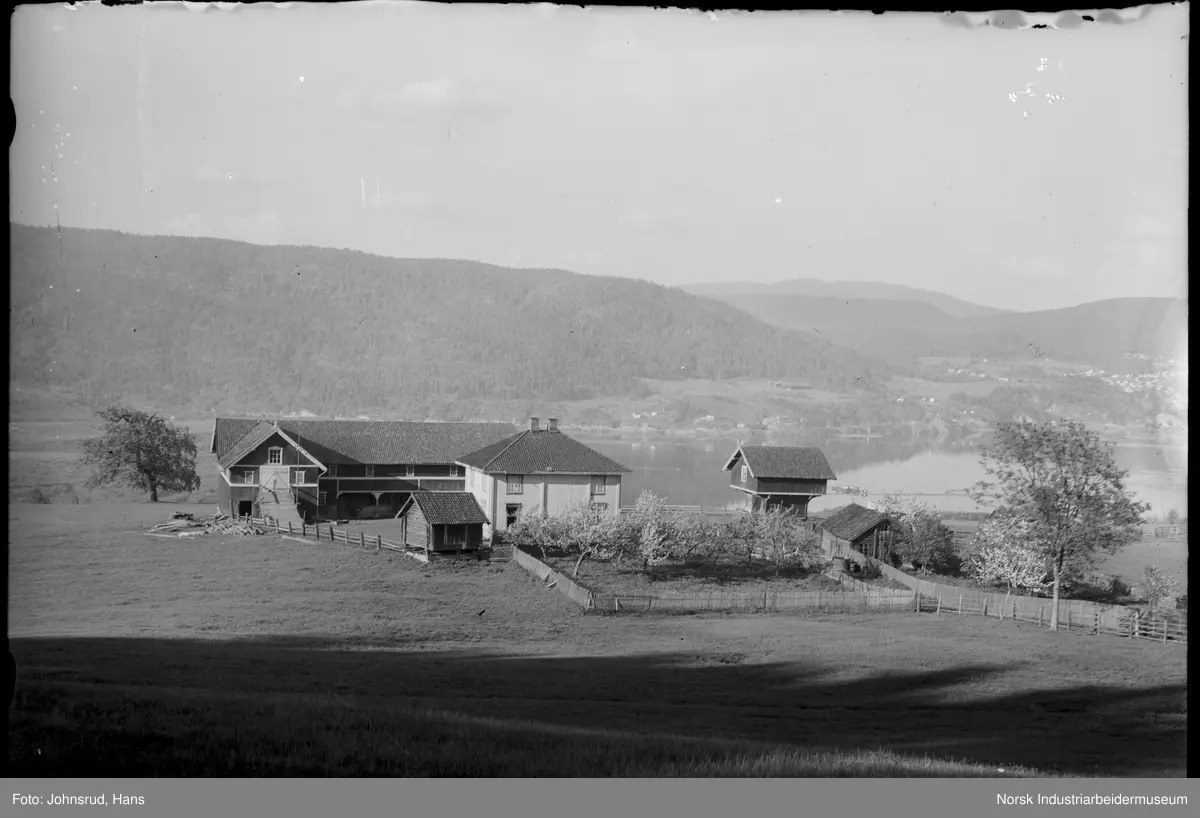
[(218, 324), (865, 290), (1099, 333)]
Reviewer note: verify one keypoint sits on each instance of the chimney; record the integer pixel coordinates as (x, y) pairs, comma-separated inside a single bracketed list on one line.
[(552, 424), (533, 424)]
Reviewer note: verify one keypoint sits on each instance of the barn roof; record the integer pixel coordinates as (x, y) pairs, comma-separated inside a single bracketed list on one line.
[(376, 442), (541, 452), (447, 507), (852, 521), (784, 462), (250, 441)]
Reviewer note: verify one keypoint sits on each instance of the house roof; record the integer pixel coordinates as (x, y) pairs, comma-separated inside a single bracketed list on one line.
[(373, 442), (541, 452), (448, 507), (853, 521), (784, 462), (250, 441)]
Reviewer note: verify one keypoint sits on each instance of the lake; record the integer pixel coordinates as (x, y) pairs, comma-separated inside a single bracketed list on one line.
[(689, 473)]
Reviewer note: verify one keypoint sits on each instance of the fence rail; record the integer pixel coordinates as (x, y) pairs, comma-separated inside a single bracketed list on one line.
[(1073, 614), (1170, 531), (744, 601), (334, 534)]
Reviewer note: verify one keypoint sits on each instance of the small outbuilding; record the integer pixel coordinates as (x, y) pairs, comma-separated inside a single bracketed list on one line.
[(865, 530), (442, 522), (779, 476)]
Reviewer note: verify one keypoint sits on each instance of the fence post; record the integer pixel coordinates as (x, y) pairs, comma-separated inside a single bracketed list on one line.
[(916, 600), (362, 539), (1165, 623), (303, 529), (1014, 611), (289, 526), (1096, 629), (960, 596), (1041, 614), (1068, 617), (378, 543), (939, 610), (985, 599)]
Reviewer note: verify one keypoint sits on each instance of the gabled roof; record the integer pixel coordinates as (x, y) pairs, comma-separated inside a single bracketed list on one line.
[(447, 507), (541, 452), (784, 462), (373, 442), (258, 433), (853, 521)]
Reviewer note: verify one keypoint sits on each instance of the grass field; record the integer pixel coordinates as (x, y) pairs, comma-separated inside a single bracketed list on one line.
[(259, 656)]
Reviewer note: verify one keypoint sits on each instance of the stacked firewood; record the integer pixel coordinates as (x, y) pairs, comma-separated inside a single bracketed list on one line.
[(184, 524)]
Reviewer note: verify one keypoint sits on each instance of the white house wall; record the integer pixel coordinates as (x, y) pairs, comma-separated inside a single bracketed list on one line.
[(554, 492)]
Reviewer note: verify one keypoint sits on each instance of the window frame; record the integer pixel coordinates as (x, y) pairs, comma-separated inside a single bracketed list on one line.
[(514, 484), (271, 452)]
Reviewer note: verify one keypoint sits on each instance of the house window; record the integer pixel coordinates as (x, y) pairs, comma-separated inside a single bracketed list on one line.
[(745, 473), (599, 508), (275, 456), (409, 471), (516, 483), (248, 476), (597, 484), (370, 471), (322, 498)]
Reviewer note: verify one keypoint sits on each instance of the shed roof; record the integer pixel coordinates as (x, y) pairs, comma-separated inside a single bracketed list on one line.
[(541, 452), (447, 507), (784, 462), (852, 521), (376, 442)]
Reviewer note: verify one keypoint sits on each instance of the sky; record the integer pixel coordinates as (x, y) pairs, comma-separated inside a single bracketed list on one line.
[(1021, 169)]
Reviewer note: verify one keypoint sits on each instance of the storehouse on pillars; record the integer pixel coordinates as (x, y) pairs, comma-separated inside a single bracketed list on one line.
[(779, 476)]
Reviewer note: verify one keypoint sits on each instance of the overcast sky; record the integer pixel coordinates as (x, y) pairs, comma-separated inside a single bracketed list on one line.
[(662, 145)]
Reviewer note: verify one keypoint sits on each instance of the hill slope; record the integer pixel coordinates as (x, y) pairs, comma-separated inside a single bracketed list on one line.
[(1099, 333), (217, 324), (854, 290)]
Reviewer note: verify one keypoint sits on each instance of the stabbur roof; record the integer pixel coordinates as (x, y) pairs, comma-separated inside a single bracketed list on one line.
[(853, 521), (784, 462), (541, 452), (377, 442), (447, 507)]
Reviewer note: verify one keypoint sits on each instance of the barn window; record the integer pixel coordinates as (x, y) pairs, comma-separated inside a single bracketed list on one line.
[(322, 498), (745, 473), (597, 484), (248, 476), (516, 483), (275, 456), (370, 471)]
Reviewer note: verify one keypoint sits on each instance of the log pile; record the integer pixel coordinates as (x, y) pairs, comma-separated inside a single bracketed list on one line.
[(183, 524)]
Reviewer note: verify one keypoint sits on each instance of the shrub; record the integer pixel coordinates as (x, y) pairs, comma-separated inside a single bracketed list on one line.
[(1181, 602), (870, 570), (1118, 588)]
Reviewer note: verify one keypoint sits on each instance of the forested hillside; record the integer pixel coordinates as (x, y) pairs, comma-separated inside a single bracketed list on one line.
[(1099, 333), (216, 324)]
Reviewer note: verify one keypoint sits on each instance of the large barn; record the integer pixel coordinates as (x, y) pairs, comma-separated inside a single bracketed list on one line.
[(305, 469), (779, 476)]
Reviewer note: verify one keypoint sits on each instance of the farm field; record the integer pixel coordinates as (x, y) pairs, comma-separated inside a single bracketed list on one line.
[(256, 656)]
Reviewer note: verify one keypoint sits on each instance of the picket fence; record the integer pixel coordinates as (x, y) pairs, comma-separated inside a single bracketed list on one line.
[(858, 597), (1073, 614), (327, 531)]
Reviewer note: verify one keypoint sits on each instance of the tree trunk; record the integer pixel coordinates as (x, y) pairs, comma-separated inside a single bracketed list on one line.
[(153, 485), (578, 562), (1054, 606)]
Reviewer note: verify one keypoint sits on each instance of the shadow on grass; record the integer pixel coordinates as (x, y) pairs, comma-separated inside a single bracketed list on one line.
[(311, 707)]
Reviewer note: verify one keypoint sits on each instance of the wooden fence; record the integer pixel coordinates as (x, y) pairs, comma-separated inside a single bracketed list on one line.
[(1073, 614), (1170, 531), (854, 599), (334, 534)]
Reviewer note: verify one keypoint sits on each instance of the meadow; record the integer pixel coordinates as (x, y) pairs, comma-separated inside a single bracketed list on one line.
[(261, 656)]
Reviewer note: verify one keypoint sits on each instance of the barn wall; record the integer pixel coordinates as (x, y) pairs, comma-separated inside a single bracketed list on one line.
[(291, 455), (416, 528), (791, 486)]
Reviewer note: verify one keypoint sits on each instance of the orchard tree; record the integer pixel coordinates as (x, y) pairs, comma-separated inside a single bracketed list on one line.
[(1062, 480), (141, 450), (1006, 554), (1157, 585), (921, 537)]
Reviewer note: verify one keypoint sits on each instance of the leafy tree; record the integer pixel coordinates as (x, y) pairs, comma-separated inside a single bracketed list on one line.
[(1006, 554), (782, 540), (141, 450), (1173, 517), (1157, 585), (920, 536), (1062, 480)]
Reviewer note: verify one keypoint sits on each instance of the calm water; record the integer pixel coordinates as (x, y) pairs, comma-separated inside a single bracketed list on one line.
[(689, 473)]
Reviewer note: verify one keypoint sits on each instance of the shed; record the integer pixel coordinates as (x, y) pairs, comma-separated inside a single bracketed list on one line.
[(444, 521), (865, 530), (779, 476)]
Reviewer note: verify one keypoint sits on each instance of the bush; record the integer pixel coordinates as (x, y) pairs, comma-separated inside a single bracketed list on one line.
[(1181, 602), (870, 570), (1118, 588)]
